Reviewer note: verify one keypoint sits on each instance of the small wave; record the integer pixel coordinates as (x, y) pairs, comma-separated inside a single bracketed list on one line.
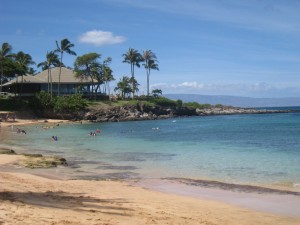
[(296, 184), (233, 187)]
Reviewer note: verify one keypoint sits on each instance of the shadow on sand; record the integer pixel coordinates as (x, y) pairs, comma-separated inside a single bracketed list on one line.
[(62, 200)]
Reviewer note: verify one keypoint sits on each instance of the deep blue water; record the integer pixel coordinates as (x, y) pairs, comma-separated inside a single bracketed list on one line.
[(244, 149)]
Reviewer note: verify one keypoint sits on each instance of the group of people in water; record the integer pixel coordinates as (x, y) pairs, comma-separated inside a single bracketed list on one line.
[(54, 137), (20, 131), (94, 133)]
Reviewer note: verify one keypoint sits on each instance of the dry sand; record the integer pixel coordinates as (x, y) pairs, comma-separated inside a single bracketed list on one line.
[(30, 199)]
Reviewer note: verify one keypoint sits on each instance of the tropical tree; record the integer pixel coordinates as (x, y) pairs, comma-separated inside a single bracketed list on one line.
[(134, 58), (134, 85), (51, 60), (150, 64), (24, 61), (31, 71), (87, 66), (156, 92), (107, 77), (124, 87), (5, 52), (65, 46), (10, 69)]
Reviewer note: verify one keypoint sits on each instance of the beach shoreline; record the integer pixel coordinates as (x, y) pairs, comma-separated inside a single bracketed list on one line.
[(51, 200), (54, 201)]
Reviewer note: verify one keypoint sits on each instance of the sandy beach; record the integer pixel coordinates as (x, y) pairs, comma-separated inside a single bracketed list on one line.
[(31, 199)]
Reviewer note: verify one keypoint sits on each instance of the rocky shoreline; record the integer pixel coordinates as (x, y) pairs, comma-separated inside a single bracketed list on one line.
[(142, 112)]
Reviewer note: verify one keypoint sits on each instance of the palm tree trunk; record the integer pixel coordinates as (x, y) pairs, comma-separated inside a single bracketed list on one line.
[(148, 75), (21, 91), (48, 80), (108, 89), (132, 76), (51, 87), (58, 88), (16, 89), (1, 76)]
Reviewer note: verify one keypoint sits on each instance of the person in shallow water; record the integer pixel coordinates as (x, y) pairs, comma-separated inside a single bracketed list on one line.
[(19, 131), (54, 138), (92, 133)]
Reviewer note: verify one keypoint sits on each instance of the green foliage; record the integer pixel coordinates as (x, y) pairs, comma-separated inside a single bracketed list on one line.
[(219, 105), (165, 102), (123, 87), (43, 100), (11, 104), (196, 105), (60, 104), (137, 102), (69, 104), (179, 103), (156, 93)]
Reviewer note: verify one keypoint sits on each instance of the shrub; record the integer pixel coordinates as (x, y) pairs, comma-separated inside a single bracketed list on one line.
[(42, 100), (165, 102), (8, 104), (179, 103), (69, 104), (195, 105)]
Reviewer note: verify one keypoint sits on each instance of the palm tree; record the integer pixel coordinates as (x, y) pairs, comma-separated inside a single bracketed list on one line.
[(134, 58), (150, 64), (65, 46), (107, 77), (123, 86), (24, 61), (156, 92), (31, 71), (5, 52), (51, 60)]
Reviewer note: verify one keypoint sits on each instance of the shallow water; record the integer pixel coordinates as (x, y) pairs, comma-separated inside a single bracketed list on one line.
[(261, 150)]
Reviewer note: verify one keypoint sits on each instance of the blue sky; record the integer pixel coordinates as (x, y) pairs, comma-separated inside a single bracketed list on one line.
[(215, 47)]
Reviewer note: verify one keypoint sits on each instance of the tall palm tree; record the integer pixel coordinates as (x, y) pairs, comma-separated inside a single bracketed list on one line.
[(107, 77), (24, 61), (5, 52), (150, 64), (51, 60), (133, 57), (65, 46)]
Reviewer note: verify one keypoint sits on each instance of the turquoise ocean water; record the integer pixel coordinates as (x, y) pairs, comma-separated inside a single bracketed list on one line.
[(261, 149)]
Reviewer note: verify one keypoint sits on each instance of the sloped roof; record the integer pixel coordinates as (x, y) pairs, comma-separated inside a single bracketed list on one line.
[(26, 79), (67, 77)]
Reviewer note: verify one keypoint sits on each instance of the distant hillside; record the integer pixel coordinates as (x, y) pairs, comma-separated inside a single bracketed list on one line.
[(235, 100)]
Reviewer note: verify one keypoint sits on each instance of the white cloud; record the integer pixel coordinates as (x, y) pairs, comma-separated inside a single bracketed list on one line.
[(99, 38), (260, 89)]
